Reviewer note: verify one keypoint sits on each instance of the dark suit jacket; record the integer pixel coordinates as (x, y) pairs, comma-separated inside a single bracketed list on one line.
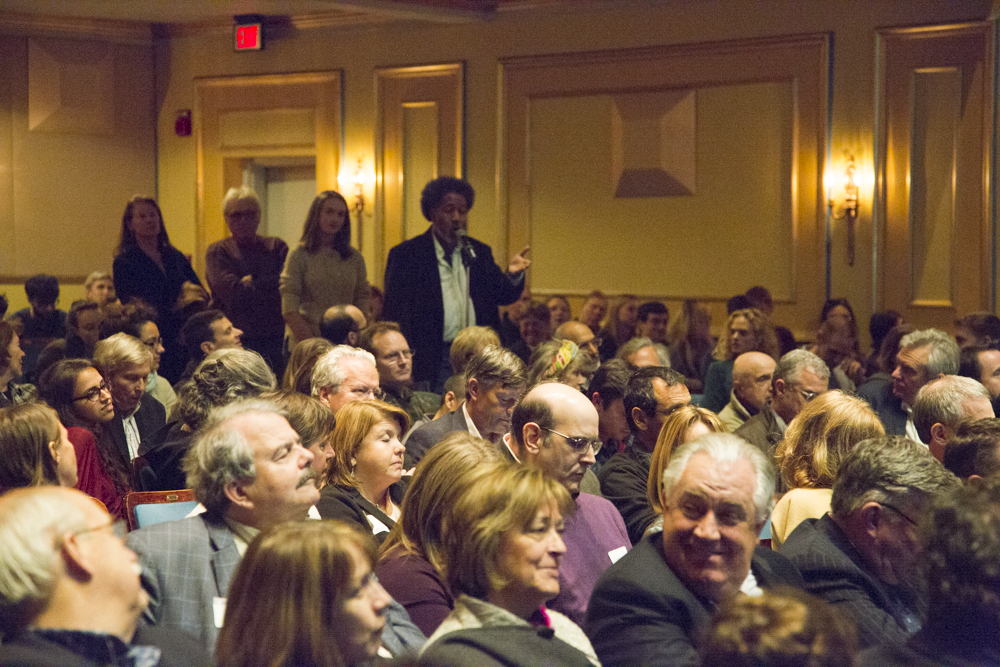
[(149, 418), (186, 565), (31, 650), (431, 434), (835, 571), (641, 614), (878, 393), (623, 481), (413, 297)]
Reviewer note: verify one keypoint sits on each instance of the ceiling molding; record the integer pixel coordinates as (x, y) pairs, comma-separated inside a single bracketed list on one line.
[(128, 31)]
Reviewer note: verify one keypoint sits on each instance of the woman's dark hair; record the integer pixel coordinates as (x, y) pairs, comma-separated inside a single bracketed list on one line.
[(833, 303), (57, 386), (310, 233), (436, 190), (127, 239)]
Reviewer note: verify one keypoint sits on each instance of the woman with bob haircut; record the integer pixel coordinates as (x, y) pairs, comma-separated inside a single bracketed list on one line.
[(808, 459), (683, 425), (411, 566), (620, 325), (34, 448), (304, 594), (502, 548), (147, 267), (747, 330), (298, 372), (562, 361), (82, 401), (323, 270), (362, 477)]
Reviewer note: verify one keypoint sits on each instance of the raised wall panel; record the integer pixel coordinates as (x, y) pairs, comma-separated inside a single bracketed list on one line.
[(418, 137), (933, 171), (272, 116), (71, 86), (725, 142)]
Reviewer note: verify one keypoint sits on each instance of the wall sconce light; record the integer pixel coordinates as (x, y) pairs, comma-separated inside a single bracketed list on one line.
[(849, 209), (359, 190)]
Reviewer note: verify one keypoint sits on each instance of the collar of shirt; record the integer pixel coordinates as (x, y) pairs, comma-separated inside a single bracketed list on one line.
[(101, 648), (506, 443), (451, 262), (242, 534), (911, 428), (468, 421), (779, 421)]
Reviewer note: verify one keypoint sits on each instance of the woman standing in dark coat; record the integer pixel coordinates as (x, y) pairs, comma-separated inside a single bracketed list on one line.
[(147, 267)]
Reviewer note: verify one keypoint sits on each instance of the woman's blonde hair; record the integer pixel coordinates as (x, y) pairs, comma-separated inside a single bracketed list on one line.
[(542, 365), (760, 326), (505, 500), (354, 421), (450, 467), (288, 595), (820, 438), (25, 433), (672, 434)]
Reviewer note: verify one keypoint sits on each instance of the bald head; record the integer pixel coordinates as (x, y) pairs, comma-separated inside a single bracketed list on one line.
[(556, 429), (579, 333), (752, 378)]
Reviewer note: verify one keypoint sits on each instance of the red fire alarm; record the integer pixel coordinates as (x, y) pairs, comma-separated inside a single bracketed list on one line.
[(182, 126), (248, 32)]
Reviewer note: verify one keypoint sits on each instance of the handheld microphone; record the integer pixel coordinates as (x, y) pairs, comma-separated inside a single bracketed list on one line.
[(468, 253)]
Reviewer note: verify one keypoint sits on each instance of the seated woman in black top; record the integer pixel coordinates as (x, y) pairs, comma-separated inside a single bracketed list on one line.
[(367, 464), (149, 268)]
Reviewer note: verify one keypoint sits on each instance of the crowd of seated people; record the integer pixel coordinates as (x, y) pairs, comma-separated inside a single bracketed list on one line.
[(452, 486)]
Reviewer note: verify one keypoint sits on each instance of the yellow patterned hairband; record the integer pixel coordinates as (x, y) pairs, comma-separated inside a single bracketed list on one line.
[(567, 352)]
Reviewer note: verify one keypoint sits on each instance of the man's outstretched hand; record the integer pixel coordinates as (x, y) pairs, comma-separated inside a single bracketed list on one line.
[(520, 261)]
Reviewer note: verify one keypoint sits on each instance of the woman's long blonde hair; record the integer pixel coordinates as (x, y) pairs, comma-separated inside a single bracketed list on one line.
[(672, 433), (820, 438)]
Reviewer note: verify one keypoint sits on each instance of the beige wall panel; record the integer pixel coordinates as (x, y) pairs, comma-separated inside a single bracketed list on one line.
[(936, 92), (72, 174), (70, 87), (420, 158), (276, 128), (418, 136), (665, 246), (936, 113)]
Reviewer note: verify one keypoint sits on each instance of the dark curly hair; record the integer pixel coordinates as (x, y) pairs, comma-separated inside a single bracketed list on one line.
[(436, 190)]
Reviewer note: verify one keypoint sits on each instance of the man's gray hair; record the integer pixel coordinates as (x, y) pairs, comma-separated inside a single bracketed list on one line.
[(32, 522), (327, 372), (632, 346), (942, 401), (496, 366), (944, 354), (221, 378), (726, 449), (221, 454), (887, 470), (113, 354), (240, 193), (791, 365)]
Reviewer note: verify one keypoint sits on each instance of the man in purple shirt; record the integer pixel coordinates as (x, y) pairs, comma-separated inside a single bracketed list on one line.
[(555, 428)]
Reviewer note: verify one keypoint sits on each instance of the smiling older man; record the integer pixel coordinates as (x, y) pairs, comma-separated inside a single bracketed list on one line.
[(648, 607)]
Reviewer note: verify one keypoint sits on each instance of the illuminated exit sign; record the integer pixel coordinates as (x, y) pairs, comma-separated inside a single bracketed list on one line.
[(249, 37)]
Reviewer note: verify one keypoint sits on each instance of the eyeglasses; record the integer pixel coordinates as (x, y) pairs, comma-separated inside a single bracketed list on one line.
[(579, 445), (364, 392), (900, 513), (398, 357), (806, 394), (118, 529), (94, 393)]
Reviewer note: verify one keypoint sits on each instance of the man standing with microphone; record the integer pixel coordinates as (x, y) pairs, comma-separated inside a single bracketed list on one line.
[(443, 281)]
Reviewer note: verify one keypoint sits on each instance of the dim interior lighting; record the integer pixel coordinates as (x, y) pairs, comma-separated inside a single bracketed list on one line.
[(848, 209), (359, 188)]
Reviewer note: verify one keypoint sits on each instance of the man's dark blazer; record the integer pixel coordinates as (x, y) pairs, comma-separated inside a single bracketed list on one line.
[(878, 393), (150, 418), (30, 650), (836, 572), (413, 297), (431, 434), (623, 481), (641, 614)]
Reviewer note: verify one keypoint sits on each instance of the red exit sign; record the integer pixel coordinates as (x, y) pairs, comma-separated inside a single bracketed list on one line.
[(249, 37)]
